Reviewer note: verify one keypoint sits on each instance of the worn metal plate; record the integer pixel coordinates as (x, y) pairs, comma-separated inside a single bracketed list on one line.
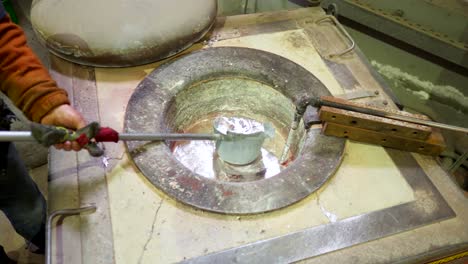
[(375, 123), (152, 99), (428, 207), (433, 146)]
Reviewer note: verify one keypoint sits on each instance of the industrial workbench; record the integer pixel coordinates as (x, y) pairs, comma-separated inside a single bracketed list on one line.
[(381, 205)]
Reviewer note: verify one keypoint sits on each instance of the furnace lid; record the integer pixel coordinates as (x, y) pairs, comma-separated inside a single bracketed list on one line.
[(113, 33)]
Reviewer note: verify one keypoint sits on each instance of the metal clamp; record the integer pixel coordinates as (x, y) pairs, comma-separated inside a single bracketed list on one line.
[(64, 212), (342, 30)]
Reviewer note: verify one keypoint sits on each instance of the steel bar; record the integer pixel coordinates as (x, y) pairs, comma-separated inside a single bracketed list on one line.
[(27, 136), (64, 212), (352, 44), (169, 137), (16, 136), (382, 113), (294, 126), (357, 95), (289, 141)]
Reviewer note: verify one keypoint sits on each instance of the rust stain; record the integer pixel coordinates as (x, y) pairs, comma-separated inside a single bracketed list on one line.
[(191, 183), (287, 162), (226, 193)]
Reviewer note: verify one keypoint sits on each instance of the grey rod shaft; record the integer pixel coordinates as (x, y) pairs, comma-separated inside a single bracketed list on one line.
[(395, 116), (16, 136), (169, 137), (27, 136), (64, 212)]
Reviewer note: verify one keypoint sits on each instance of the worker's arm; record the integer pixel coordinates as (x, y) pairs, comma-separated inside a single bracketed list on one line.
[(28, 84)]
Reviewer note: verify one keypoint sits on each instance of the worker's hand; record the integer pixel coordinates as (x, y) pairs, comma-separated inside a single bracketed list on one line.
[(65, 116)]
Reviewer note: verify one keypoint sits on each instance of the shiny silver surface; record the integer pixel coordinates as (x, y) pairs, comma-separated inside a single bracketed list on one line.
[(198, 157), (242, 139), (202, 157)]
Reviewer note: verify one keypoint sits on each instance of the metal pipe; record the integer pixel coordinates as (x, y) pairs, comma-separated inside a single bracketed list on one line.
[(301, 107), (50, 219), (169, 137), (27, 136), (289, 140), (352, 44), (16, 136), (381, 113)]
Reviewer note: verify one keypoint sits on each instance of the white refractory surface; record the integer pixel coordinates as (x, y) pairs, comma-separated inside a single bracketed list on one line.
[(120, 33)]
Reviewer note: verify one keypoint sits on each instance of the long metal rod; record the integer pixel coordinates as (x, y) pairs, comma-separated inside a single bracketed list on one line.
[(64, 212), (394, 116), (291, 135), (169, 137), (16, 136), (27, 136)]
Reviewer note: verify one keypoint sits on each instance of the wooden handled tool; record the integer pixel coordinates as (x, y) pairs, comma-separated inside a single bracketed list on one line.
[(389, 128)]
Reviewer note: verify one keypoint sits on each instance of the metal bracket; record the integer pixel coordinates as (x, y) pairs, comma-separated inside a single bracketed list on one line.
[(357, 94), (311, 115), (462, 159), (342, 30), (64, 212)]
